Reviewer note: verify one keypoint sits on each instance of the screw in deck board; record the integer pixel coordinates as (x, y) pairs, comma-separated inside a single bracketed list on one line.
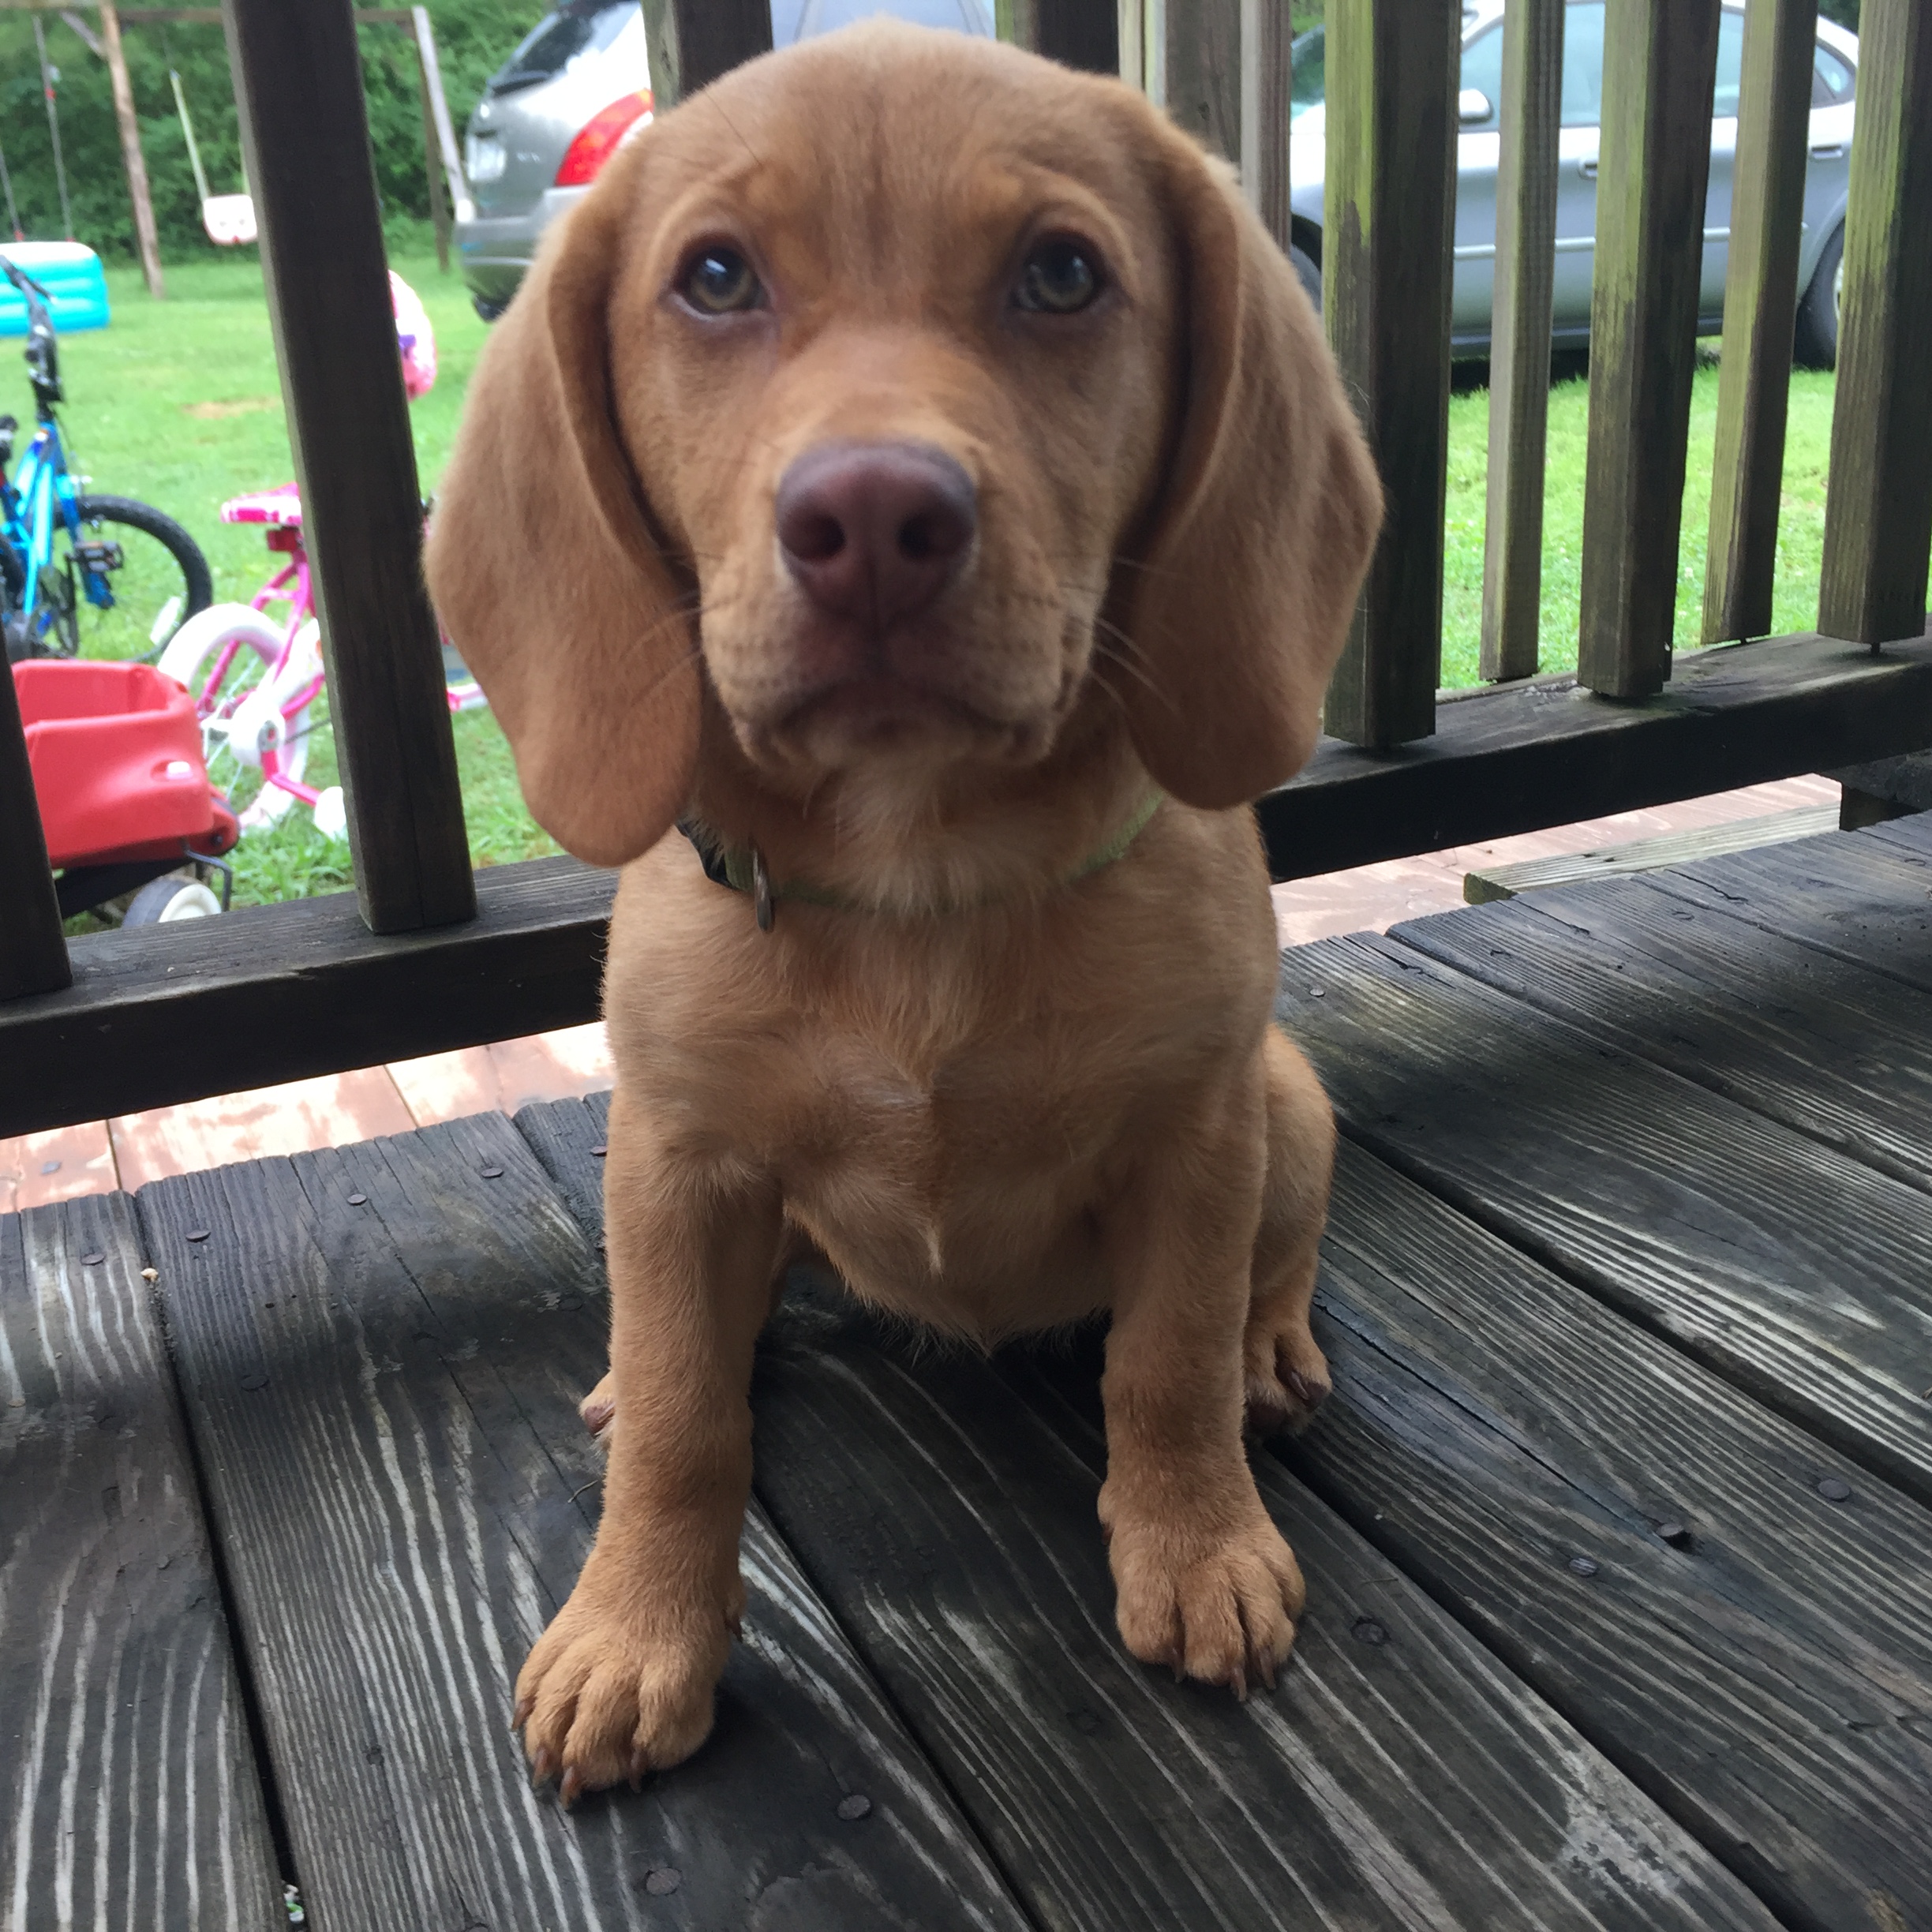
[(856, 1806), (1835, 1489), (1583, 1566), (1660, 76)]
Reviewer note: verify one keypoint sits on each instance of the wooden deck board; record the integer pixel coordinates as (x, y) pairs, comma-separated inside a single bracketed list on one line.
[(1807, 1037), (384, 1393), (1798, 1274), (128, 1782), (1393, 1783), (1865, 895), (1764, 1672)]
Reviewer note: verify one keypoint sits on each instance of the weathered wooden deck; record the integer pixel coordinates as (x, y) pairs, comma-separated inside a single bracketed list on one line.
[(1619, 1529)]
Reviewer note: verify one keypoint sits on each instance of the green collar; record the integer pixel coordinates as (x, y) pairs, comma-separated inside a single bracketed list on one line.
[(742, 868)]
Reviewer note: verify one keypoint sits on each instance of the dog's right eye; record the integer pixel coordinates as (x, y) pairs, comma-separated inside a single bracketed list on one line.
[(720, 281)]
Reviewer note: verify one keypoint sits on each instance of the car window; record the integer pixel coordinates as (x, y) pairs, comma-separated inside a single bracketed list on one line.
[(1482, 69), (1730, 63), (801, 19), (577, 28), (1583, 62), (1831, 78), (1306, 55)]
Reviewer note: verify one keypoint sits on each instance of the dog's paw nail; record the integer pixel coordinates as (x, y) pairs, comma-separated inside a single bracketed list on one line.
[(520, 1716), (597, 1416), (571, 1789), (639, 1764), (543, 1767), (734, 1622), (1312, 1395)]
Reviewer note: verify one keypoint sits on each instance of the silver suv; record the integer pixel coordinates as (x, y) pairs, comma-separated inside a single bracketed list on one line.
[(578, 84), (1827, 176)]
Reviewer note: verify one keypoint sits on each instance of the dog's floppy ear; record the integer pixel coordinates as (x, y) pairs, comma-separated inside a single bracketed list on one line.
[(1238, 599), (544, 568)]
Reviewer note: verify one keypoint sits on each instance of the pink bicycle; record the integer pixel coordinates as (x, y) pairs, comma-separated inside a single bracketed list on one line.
[(256, 679)]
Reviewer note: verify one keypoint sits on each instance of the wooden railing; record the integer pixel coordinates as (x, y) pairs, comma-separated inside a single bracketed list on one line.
[(426, 958)]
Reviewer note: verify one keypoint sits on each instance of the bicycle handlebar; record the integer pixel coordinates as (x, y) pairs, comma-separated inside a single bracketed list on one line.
[(28, 287)]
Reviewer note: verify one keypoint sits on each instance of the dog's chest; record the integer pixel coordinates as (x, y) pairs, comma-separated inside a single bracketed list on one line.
[(959, 1185)]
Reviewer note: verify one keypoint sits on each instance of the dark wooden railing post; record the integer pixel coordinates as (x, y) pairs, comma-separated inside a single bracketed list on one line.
[(1660, 73), (1267, 85), (33, 953), (1078, 33), (322, 260), (692, 42), (1387, 231), (1519, 351), (1878, 511), (1761, 297)]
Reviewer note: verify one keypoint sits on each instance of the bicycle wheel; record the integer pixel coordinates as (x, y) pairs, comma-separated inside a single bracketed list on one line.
[(122, 590), (251, 715), (13, 628)]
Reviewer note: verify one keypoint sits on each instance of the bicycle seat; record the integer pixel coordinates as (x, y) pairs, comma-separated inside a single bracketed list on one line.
[(282, 506)]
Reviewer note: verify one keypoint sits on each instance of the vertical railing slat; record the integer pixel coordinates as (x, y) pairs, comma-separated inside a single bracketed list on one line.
[(1519, 350), (1760, 297), (1203, 70), (1659, 72), (33, 953), (692, 42), (326, 273), (1389, 204), (1878, 510), (1080, 33), (1267, 85)]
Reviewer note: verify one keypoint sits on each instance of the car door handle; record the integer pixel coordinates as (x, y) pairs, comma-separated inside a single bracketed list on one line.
[(1831, 150), (1587, 168)]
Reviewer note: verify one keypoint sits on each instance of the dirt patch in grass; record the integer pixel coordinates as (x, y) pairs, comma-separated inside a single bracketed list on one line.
[(240, 405)]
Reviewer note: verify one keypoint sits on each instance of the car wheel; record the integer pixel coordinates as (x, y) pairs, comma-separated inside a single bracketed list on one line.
[(1815, 345), (161, 901), (1307, 271), (489, 310)]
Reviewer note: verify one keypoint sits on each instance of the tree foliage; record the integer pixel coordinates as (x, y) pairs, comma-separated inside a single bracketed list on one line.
[(473, 37)]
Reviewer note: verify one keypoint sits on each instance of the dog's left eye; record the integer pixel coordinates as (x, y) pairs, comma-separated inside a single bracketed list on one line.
[(720, 281), (1061, 277)]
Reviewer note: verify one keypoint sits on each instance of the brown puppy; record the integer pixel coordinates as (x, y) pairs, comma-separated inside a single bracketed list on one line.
[(914, 464)]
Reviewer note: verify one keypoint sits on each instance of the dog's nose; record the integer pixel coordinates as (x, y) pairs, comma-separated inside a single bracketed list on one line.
[(874, 531)]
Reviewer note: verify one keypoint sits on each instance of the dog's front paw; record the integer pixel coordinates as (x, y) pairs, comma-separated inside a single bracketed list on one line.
[(1286, 1375), (1220, 1608), (599, 1409), (613, 1690)]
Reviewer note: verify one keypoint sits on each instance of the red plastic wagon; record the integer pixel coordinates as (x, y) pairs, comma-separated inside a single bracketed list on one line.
[(125, 798)]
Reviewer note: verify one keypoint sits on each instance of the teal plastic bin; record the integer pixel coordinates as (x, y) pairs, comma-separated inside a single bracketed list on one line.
[(71, 275)]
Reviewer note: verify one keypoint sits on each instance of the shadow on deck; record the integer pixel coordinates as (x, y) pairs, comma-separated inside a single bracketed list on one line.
[(1616, 1530)]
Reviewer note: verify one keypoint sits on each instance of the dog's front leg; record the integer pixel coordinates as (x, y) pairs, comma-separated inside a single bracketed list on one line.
[(1206, 1584), (621, 1681)]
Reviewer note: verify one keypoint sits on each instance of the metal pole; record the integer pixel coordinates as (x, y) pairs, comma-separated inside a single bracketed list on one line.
[(47, 88)]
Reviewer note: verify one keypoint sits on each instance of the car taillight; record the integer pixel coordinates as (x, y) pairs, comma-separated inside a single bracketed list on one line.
[(597, 140)]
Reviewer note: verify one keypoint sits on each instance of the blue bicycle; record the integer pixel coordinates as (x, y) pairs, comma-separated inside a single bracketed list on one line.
[(104, 574)]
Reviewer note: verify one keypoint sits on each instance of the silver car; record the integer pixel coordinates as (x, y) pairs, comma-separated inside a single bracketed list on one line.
[(577, 84), (1828, 174)]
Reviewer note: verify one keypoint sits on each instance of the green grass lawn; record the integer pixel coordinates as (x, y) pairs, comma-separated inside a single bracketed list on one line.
[(178, 404), (1801, 524)]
